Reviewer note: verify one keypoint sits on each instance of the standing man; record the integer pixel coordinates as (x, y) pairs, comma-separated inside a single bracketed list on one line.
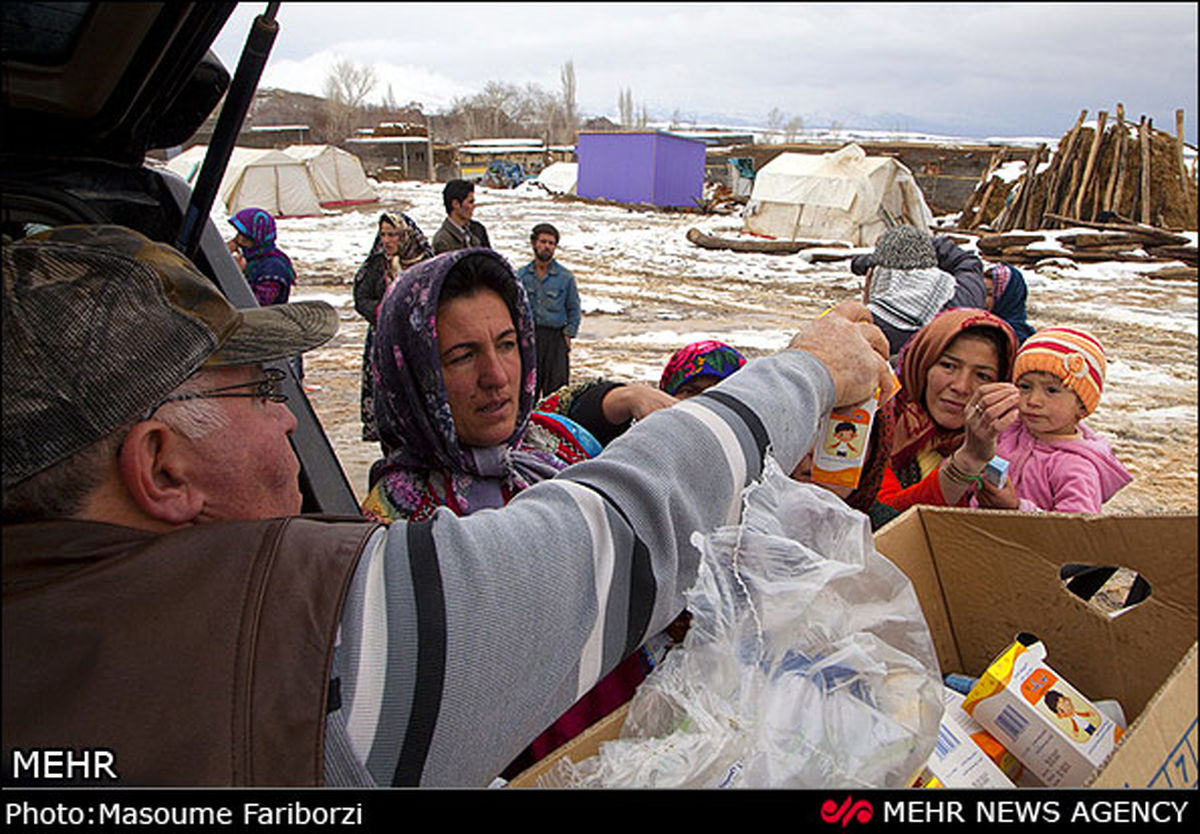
[(458, 230), (555, 302)]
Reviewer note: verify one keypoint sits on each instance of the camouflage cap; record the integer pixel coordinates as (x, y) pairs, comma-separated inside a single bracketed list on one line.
[(100, 323)]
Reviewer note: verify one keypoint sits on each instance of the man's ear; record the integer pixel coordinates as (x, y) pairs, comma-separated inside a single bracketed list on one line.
[(155, 468)]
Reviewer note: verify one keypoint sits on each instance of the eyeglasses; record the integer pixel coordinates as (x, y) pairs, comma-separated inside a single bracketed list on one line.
[(269, 388)]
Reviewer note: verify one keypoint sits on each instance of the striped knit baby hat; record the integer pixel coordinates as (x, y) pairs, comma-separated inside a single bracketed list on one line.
[(1075, 357)]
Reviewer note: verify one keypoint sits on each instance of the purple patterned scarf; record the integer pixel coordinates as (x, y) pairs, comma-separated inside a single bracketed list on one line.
[(413, 413)]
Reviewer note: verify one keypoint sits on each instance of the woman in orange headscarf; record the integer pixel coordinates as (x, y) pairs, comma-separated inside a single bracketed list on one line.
[(956, 398)]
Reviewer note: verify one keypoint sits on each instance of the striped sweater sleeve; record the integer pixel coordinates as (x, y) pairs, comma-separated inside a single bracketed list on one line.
[(462, 638)]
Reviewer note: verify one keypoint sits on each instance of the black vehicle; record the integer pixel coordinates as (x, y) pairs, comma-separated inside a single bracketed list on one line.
[(88, 89)]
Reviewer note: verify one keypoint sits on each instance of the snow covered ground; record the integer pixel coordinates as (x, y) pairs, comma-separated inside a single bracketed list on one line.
[(646, 291)]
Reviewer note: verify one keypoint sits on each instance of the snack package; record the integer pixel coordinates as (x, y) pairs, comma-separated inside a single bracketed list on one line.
[(959, 759), (1058, 735), (844, 437), (996, 472)]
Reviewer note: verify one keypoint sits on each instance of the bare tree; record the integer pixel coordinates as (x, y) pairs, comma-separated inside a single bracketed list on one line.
[(570, 112), (644, 118), (346, 88), (625, 107), (775, 119), (792, 128)]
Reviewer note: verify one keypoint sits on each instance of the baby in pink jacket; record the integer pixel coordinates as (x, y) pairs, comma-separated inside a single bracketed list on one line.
[(1055, 461)]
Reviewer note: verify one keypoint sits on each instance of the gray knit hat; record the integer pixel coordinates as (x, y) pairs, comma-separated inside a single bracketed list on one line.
[(904, 247), (100, 323)]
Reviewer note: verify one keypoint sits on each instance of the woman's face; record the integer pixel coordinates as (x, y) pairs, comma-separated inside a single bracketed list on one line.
[(696, 385), (967, 363), (481, 367), (389, 236)]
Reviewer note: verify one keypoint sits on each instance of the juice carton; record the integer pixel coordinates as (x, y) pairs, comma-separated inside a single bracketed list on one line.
[(843, 440), (1059, 736), (996, 472), (959, 760)]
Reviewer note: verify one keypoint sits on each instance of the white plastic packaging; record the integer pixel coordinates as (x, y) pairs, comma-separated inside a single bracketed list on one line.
[(808, 663)]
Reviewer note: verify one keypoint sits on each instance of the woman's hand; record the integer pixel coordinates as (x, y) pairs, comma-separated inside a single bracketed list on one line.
[(989, 411), (997, 498), (634, 401)]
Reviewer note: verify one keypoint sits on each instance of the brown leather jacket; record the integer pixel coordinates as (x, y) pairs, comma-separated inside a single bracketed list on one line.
[(198, 657)]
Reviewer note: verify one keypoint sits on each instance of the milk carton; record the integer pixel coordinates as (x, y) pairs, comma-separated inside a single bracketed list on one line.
[(1060, 736), (958, 759)]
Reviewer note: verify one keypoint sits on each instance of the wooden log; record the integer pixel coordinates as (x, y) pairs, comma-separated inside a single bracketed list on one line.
[(1101, 118), (969, 215), (1144, 138), (1187, 254), (1086, 256), (1174, 273), (1166, 236), (1085, 240), (1118, 158), (983, 202), (1060, 163), (1126, 246), (1179, 146), (1004, 241), (1028, 186), (775, 247), (1067, 196)]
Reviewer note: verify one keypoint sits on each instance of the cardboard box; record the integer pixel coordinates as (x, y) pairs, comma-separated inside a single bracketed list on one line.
[(983, 577)]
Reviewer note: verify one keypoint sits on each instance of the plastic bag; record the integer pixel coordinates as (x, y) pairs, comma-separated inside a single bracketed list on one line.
[(808, 663)]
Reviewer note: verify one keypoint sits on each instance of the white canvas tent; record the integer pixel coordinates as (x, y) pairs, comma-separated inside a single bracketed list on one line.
[(560, 177), (265, 179), (336, 175), (844, 195)]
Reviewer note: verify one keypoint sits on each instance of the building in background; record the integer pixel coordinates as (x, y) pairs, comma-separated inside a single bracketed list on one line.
[(641, 166), (394, 151)]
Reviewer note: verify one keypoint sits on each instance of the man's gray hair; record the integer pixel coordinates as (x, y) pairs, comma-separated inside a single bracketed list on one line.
[(61, 490)]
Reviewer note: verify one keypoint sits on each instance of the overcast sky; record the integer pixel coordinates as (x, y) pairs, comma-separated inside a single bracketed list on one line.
[(973, 70)]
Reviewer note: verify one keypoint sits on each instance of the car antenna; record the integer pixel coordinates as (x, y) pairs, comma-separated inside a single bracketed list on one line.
[(229, 124)]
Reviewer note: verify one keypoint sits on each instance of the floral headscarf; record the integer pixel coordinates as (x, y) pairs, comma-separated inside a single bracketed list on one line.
[(1009, 292), (707, 357), (268, 269), (413, 413), (258, 225), (414, 246), (913, 428)]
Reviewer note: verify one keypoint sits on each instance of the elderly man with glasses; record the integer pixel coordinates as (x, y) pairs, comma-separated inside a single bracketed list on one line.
[(164, 604)]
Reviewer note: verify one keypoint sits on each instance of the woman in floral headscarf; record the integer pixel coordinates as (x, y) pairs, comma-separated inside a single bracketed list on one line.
[(699, 366), (268, 270), (399, 243), (456, 373), (1006, 294)]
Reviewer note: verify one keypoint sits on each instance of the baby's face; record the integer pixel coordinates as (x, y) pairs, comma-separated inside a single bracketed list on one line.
[(1047, 406)]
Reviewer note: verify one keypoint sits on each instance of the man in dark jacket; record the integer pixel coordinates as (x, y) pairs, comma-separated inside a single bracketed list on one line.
[(459, 230)]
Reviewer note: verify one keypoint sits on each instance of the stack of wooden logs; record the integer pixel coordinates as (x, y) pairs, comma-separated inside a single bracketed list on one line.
[(1130, 242), (1130, 172)]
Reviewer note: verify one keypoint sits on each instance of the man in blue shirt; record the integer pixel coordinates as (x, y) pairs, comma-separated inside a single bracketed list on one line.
[(556, 314)]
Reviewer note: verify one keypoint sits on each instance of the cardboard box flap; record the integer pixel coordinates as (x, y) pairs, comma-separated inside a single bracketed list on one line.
[(1159, 751), (998, 574), (905, 543)]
